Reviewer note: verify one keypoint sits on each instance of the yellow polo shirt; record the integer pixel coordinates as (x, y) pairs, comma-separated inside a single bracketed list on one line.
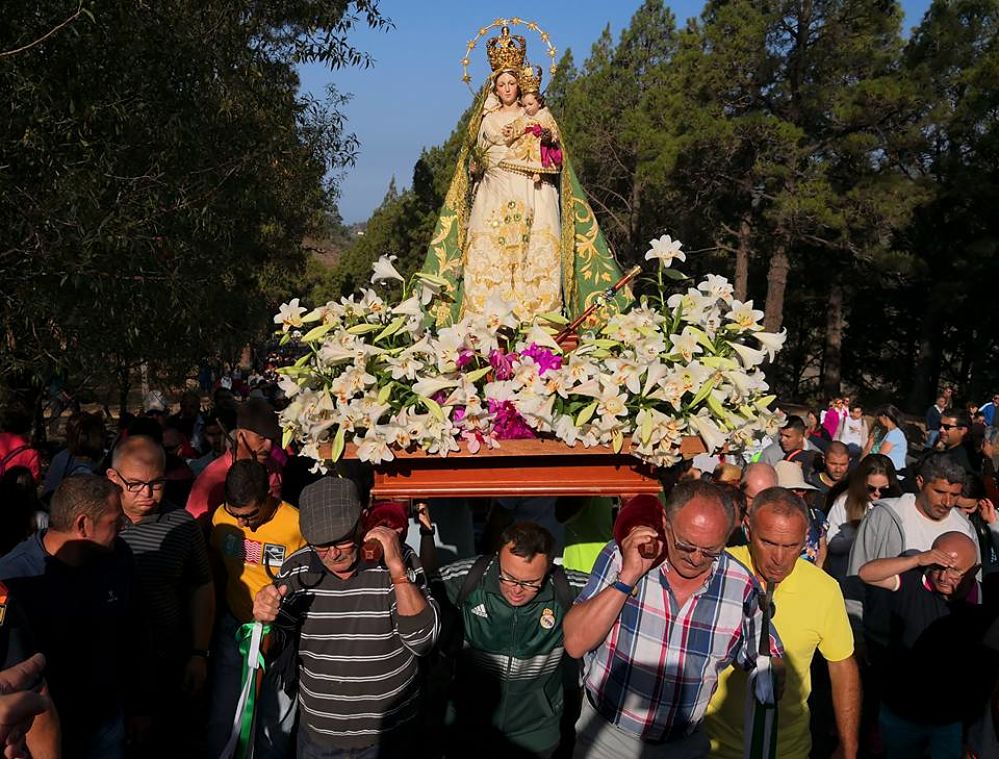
[(247, 554), (810, 614)]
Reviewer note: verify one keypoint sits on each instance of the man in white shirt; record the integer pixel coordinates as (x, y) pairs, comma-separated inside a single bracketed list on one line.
[(853, 431), (910, 523)]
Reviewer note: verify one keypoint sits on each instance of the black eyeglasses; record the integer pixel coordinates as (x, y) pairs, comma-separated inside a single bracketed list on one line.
[(138, 486), (946, 427), (525, 584)]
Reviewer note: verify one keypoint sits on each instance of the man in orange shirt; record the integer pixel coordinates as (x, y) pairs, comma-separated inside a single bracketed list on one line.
[(257, 429)]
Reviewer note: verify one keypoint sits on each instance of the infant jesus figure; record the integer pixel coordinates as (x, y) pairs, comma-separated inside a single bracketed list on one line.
[(533, 141)]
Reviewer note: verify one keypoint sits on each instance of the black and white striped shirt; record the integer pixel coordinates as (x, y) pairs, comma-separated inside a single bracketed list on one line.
[(356, 655)]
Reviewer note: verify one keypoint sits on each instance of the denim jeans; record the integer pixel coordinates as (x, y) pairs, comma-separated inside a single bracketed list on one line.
[(904, 739)]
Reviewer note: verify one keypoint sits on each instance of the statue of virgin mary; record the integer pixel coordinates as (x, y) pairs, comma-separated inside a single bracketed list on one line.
[(529, 237)]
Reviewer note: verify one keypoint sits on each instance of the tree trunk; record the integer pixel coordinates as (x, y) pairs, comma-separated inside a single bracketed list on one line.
[(926, 374), (832, 358), (634, 221), (780, 266), (742, 258), (124, 385)]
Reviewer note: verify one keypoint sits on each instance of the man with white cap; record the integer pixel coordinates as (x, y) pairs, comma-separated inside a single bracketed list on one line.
[(791, 477), (358, 627)]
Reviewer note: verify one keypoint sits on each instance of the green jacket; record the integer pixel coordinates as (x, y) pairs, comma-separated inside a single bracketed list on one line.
[(510, 674)]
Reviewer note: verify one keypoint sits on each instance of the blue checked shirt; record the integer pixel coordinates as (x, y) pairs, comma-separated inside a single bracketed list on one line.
[(655, 672)]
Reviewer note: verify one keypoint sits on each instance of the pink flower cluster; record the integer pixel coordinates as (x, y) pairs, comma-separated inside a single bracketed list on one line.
[(508, 424)]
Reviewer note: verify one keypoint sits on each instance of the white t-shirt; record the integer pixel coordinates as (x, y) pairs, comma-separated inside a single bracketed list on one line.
[(853, 431), (836, 517), (920, 530)]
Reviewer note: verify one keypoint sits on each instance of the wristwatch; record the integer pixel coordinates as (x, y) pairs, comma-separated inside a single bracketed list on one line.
[(408, 577), (628, 590)]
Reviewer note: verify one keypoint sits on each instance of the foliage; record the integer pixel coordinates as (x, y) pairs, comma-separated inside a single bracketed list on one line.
[(159, 172)]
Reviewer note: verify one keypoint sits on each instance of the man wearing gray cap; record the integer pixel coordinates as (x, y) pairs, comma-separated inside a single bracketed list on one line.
[(359, 628)]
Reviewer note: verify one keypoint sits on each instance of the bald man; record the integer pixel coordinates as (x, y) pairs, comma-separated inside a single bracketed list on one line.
[(756, 478), (176, 592), (937, 627)]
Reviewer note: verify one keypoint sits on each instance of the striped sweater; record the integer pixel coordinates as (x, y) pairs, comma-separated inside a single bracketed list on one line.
[(356, 655)]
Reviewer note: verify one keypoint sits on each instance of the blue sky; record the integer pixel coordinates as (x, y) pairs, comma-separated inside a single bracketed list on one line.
[(413, 95)]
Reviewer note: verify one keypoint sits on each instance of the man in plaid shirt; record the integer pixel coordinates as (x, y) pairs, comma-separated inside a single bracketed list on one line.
[(656, 637)]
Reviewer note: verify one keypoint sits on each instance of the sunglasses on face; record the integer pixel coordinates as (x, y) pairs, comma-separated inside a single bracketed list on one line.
[(684, 547), (947, 427), (876, 489)]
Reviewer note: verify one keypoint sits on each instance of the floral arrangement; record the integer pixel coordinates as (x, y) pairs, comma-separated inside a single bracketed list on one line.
[(381, 376)]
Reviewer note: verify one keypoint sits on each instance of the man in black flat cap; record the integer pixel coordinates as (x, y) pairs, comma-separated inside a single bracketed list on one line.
[(358, 626), (257, 431)]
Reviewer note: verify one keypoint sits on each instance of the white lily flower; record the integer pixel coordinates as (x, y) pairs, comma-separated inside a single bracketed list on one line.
[(289, 315), (428, 386), (384, 270), (716, 288), (750, 357), (713, 436), (744, 315), (409, 307), (373, 447), (566, 430), (665, 250), (686, 344), (771, 342)]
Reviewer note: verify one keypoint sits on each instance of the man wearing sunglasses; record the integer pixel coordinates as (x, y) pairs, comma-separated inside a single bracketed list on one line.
[(359, 629), (657, 635), (252, 534), (777, 524), (176, 593), (510, 672), (894, 526)]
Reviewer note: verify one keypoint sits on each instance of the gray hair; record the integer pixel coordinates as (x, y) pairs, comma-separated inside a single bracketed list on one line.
[(779, 500), (941, 466), (687, 491)]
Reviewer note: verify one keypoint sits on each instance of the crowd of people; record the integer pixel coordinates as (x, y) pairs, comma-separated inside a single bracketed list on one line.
[(842, 579)]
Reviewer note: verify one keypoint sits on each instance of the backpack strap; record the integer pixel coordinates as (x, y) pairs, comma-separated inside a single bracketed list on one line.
[(10, 457), (473, 578), (560, 582)]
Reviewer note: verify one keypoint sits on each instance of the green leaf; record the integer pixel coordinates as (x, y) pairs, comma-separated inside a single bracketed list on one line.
[(706, 388), (391, 329), (586, 414), (554, 317), (433, 278), (385, 393), (303, 359), (646, 432), (363, 329), (478, 374), (338, 444), (433, 407), (675, 275), (766, 400), (287, 436)]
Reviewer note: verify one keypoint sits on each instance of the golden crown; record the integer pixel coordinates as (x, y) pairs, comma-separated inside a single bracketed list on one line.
[(529, 80), (506, 51)]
